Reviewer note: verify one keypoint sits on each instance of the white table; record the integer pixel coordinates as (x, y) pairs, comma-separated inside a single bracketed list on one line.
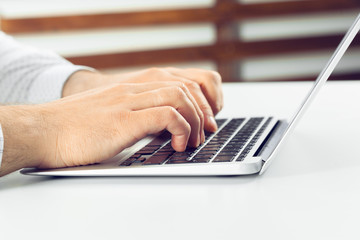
[(311, 191)]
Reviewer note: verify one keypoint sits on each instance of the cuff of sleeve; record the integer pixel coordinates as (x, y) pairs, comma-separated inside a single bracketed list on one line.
[(49, 85), (1, 145)]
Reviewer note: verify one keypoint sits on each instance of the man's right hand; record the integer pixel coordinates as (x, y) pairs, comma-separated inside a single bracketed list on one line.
[(96, 125)]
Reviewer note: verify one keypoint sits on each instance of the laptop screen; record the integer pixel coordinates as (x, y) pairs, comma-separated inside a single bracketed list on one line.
[(319, 83)]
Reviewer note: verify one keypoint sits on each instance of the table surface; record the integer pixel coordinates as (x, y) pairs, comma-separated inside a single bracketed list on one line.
[(311, 191)]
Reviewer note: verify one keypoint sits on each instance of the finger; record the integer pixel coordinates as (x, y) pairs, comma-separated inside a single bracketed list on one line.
[(138, 88), (153, 120), (175, 97), (209, 81), (209, 120), (202, 102)]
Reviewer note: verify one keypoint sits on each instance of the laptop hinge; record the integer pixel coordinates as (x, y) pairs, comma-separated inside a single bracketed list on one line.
[(272, 140)]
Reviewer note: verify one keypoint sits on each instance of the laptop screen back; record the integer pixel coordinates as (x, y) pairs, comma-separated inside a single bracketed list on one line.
[(319, 83)]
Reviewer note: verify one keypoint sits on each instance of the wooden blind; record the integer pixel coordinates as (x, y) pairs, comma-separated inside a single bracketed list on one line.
[(225, 15)]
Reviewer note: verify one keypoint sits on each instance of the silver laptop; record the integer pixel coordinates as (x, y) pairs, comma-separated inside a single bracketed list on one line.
[(241, 146)]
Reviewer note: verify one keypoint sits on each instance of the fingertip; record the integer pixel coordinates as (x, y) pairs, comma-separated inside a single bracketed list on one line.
[(179, 142), (210, 124)]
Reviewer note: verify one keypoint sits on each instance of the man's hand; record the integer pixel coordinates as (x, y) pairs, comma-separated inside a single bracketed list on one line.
[(95, 125), (204, 86)]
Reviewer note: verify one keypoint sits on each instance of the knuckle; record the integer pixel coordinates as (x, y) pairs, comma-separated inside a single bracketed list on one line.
[(171, 113), (178, 92), (198, 120), (213, 76), (158, 98), (217, 75), (221, 105), (179, 84), (206, 108), (201, 116), (218, 107), (184, 87), (193, 85), (155, 71)]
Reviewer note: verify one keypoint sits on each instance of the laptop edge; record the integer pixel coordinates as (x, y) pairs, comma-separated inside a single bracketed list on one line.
[(272, 140)]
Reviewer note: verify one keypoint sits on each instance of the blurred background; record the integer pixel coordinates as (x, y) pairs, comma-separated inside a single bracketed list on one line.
[(245, 40)]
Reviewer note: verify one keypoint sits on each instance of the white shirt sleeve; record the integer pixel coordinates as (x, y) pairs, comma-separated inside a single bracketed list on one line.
[(29, 75)]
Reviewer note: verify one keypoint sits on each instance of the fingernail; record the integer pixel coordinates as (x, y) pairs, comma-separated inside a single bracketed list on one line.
[(212, 122)]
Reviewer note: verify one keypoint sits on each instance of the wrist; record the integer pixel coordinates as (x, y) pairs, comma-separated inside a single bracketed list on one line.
[(81, 81), (22, 130)]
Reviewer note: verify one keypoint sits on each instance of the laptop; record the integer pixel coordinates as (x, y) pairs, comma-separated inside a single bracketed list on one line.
[(240, 146)]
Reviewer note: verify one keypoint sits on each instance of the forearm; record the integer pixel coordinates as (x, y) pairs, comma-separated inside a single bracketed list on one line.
[(22, 129)]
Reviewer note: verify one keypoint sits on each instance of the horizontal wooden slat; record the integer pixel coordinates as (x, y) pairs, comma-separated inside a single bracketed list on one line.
[(333, 77), (233, 50), (291, 7), (219, 13), (95, 21)]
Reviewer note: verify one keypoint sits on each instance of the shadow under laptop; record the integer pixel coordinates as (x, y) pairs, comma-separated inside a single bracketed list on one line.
[(160, 180), (17, 180)]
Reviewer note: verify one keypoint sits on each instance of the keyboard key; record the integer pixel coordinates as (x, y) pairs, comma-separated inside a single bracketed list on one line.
[(220, 122), (223, 158), (171, 161), (182, 154), (146, 151), (213, 145), (136, 155), (205, 155), (164, 153), (126, 163), (209, 148), (156, 159), (130, 160), (200, 160), (228, 153), (140, 160)]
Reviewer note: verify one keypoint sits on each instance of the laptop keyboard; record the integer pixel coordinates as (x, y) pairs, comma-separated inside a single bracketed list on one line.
[(232, 142)]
